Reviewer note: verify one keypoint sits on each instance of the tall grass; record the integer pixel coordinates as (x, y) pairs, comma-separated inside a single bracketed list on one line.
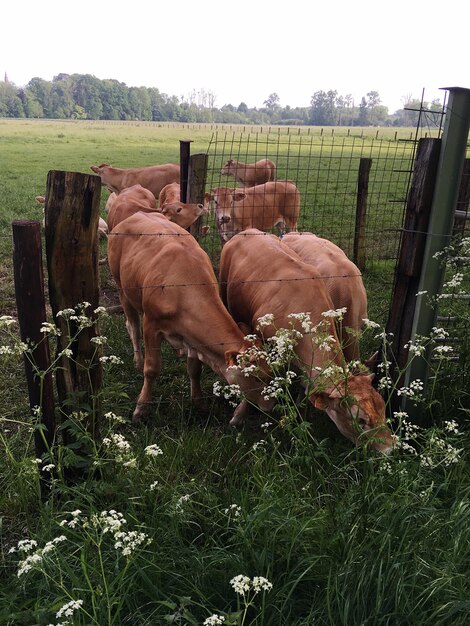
[(345, 536)]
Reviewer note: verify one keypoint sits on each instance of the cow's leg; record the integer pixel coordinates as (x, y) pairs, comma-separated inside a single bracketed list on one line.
[(134, 330), (239, 415), (281, 226), (194, 367), (152, 366)]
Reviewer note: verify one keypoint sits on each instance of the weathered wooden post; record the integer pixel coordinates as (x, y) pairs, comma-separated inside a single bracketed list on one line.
[(359, 255), (185, 146), (413, 240), (31, 308), (71, 216), (197, 174)]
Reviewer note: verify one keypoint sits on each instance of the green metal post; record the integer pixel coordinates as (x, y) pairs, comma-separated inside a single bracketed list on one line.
[(451, 160)]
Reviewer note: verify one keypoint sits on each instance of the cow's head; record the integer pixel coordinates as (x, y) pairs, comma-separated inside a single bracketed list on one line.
[(224, 199), (184, 214), (228, 168), (358, 411)]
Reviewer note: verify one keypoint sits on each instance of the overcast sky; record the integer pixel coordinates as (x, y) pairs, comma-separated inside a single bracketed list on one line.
[(244, 50)]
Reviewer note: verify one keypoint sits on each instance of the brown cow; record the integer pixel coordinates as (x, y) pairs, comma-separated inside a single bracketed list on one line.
[(169, 202), (260, 275), (166, 278), (137, 198), (343, 281), (153, 177), (276, 203), (250, 174)]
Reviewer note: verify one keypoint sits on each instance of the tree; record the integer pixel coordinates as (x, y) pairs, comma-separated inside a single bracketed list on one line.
[(322, 112), (272, 103)]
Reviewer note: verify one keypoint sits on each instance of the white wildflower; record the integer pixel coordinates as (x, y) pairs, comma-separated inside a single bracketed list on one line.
[(233, 510), (99, 340), (369, 323), (261, 584), (265, 320), (128, 542), (6, 321), (336, 313), (451, 426), (24, 545), (214, 620), (68, 609), (66, 313), (114, 360), (241, 584), (48, 328), (28, 563), (153, 450)]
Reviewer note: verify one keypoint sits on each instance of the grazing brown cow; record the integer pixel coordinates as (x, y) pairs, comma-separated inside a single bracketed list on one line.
[(260, 275), (250, 174), (137, 198), (276, 203), (166, 278), (153, 177), (169, 203), (343, 282)]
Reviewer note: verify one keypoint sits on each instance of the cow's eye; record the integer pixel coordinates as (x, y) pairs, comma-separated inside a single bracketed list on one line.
[(178, 210)]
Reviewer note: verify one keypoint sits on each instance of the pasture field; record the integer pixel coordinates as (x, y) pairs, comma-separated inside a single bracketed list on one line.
[(172, 511)]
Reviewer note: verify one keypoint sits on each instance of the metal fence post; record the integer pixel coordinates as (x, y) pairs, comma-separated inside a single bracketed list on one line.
[(452, 156)]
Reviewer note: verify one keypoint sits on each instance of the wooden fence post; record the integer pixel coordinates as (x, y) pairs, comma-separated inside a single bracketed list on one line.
[(71, 215), (359, 255), (185, 146), (413, 240), (197, 174), (31, 308)]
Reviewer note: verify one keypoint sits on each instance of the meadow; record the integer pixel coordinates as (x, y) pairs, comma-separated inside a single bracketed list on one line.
[(185, 520)]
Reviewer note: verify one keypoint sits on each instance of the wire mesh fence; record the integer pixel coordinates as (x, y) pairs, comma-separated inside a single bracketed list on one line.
[(325, 170)]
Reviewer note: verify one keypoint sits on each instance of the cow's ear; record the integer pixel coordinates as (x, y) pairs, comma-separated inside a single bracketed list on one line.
[(231, 358), (94, 168), (41, 199), (239, 195), (320, 401), (208, 197)]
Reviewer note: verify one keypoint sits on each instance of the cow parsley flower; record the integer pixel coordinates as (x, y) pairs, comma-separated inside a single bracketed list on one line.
[(369, 323), (336, 313), (241, 584), (233, 510), (68, 609), (214, 620), (265, 320), (261, 584), (153, 450)]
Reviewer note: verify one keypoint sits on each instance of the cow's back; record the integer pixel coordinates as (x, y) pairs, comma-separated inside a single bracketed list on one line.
[(159, 264), (130, 201), (342, 279), (260, 275), (267, 204)]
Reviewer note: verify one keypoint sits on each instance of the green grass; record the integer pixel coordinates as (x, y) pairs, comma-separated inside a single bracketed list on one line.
[(346, 536)]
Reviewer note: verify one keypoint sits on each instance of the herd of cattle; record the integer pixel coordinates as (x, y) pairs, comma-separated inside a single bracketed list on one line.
[(169, 290)]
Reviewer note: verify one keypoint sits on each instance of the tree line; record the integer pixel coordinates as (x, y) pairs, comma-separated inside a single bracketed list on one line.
[(83, 96)]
